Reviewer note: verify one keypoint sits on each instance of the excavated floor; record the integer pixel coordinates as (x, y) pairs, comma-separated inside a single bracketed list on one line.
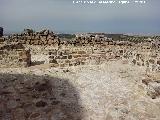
[(111, 91)]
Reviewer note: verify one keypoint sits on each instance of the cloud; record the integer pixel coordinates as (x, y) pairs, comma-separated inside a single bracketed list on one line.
[(18, 14)]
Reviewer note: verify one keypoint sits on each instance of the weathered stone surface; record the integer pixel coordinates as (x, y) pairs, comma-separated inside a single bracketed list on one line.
[(2, 40), (30, 37), (154, 89), (38, 98), (108, 90), (14, 55), (92, 46)]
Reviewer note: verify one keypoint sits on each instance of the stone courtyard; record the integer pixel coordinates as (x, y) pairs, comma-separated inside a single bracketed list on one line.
[(87, 78)]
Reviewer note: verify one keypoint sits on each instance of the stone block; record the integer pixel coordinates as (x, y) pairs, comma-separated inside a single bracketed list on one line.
[(81, 52), (67, 61), (158, 62), (151, 61), (76, 56), (15, 55), (69, 56), (53, 61)]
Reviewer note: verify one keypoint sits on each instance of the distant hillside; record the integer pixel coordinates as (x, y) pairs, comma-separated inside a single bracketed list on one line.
[(66, 36)]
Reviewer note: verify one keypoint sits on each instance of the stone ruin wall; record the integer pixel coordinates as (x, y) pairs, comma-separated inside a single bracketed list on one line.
[(2, 40), (90, 55), (14, 55), (29, 37), (88, 50), (94, 51)]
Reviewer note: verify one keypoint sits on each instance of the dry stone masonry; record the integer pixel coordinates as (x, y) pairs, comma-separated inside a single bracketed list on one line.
[(2, 40), (14, 55), (98, 50), (114, 88), (44, 37), (92, 48)]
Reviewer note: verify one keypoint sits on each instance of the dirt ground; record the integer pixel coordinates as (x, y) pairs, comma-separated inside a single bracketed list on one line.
[(110, 91)]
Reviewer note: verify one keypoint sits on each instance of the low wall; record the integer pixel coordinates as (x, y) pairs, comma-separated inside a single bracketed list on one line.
[(73, 56), (90, 49), (14, 55), (29, 37), (2, 40)]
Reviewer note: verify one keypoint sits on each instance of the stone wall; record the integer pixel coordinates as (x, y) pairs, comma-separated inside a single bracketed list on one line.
[(90, 49), (68, 56), (150, 59), (14, 55), (73, 56), (44, 37), (2, 40)]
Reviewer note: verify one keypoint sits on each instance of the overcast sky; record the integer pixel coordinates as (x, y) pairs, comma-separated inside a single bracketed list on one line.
[(64, 16)]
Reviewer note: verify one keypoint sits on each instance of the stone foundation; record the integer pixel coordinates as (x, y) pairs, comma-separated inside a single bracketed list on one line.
[(14, 55), (91, 49), (29, 37), (73, 56), (2, 40)]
